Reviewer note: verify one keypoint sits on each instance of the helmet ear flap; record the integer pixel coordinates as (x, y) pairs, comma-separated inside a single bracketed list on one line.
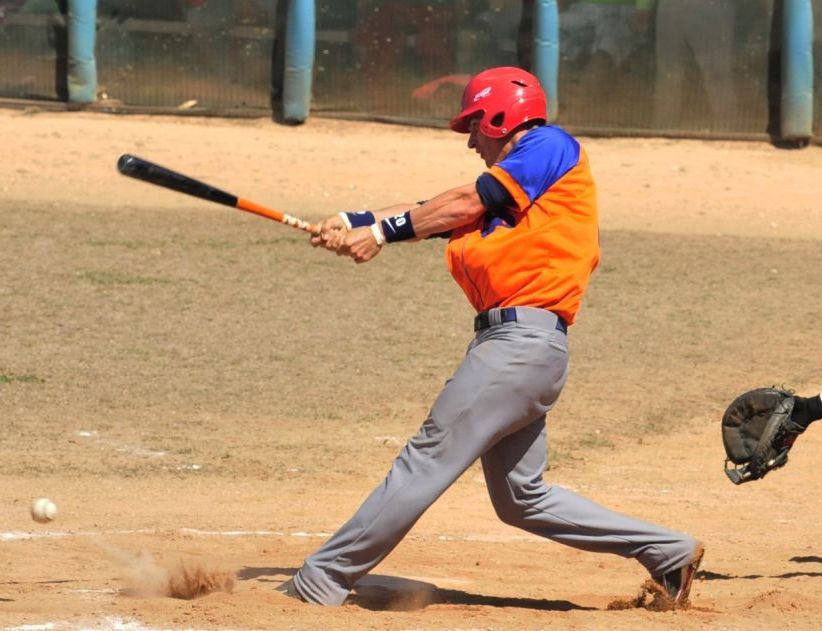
[(497, 119)]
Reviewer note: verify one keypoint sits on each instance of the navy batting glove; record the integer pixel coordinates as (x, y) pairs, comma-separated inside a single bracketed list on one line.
[(806, 411)]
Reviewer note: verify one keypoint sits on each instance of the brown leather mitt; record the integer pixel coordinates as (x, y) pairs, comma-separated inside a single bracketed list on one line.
[(758, 433)]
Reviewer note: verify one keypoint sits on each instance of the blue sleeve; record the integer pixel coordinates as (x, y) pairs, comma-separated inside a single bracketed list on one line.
[(541, 158), (495, 197)]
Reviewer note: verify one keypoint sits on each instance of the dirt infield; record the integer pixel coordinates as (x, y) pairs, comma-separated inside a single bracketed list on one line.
[(206, 397)]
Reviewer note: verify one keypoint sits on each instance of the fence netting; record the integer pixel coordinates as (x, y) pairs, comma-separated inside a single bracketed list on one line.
[(695, 66)]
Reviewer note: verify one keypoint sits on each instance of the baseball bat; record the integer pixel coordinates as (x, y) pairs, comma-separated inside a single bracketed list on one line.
[(141, 169)]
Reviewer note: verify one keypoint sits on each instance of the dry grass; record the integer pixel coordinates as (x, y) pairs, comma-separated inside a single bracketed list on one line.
[(204, 334)]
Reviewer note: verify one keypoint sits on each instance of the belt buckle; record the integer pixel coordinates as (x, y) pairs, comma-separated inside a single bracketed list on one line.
[(481, 321), (508, 314)]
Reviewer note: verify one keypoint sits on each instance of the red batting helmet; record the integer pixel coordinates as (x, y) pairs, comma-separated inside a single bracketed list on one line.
[(505, 98)]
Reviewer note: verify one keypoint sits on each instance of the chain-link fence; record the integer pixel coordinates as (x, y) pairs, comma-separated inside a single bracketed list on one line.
[(688, 67)]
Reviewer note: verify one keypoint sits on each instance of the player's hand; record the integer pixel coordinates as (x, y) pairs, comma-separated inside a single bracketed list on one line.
[(331, 235), (360, 245)]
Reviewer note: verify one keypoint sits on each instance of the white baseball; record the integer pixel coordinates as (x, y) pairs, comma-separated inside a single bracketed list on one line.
[(43, 510)]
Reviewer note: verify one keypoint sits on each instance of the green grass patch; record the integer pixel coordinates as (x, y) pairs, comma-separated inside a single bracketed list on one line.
[(216, 244), (128, 244), (595, 440), (109, 278), (10, 378), (291, 238)]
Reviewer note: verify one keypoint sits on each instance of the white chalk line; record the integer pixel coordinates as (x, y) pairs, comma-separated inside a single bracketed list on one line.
[(20, 535), (132, 450), (144, 452), (107, 623), (57, 534), (120, 447)]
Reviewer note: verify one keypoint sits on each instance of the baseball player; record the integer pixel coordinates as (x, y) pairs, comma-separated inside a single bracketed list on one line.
[(523, 242)]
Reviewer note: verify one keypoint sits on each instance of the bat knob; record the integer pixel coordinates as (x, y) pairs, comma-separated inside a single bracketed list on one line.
[(125, 163)]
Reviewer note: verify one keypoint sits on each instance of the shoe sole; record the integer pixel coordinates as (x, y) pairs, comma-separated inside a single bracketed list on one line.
[(690, 573), (289, 589)]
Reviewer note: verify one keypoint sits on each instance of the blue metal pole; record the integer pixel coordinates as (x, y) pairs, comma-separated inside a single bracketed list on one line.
[(299, 60), (546, 52), (82, 66), (796, 120)]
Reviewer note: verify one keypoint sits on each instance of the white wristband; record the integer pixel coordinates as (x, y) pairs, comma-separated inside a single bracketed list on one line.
[(379, 237), (345, 220)]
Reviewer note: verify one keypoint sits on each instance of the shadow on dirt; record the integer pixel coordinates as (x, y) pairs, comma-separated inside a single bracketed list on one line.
[(379, 592), (393, 593), (52, 582), (275, 574), (715, 576)]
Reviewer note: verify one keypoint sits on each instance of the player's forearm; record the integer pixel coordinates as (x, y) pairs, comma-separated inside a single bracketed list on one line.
[(447, 211), (393, 210), (441, 214)]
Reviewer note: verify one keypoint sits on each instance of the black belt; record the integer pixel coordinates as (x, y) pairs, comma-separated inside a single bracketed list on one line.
[(508, 314)]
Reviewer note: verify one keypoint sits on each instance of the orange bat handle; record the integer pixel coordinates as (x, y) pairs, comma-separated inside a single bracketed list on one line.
[(276, 215)]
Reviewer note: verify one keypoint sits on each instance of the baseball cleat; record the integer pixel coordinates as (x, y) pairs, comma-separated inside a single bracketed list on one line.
[(290, 589), (677, 583)]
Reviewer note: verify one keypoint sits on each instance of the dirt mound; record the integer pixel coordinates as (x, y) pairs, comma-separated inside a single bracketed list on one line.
[(651, 596)]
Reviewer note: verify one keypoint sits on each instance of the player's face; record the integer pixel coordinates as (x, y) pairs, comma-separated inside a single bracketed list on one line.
[(491, 150)]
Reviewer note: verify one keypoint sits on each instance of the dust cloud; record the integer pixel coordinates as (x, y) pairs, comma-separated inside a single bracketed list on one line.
[(145, 577)]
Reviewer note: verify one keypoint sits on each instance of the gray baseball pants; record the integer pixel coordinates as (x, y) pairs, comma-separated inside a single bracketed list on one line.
[(492, 408)]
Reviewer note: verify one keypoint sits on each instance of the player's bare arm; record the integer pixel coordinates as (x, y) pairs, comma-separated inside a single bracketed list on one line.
[(332, 230), (448, 210)]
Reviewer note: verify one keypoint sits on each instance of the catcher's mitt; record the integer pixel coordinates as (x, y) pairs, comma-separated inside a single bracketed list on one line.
[(758, 432)]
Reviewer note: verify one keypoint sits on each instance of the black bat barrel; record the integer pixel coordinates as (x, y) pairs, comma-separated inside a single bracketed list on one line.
[(141, 169)]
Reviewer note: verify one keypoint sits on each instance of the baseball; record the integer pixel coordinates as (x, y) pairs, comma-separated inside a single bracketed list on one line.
[(43, 510)]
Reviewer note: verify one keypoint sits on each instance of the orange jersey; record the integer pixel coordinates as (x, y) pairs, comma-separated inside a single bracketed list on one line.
[(543, 252)]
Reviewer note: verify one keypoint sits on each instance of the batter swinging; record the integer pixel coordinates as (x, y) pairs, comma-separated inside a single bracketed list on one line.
[(523, 242)]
